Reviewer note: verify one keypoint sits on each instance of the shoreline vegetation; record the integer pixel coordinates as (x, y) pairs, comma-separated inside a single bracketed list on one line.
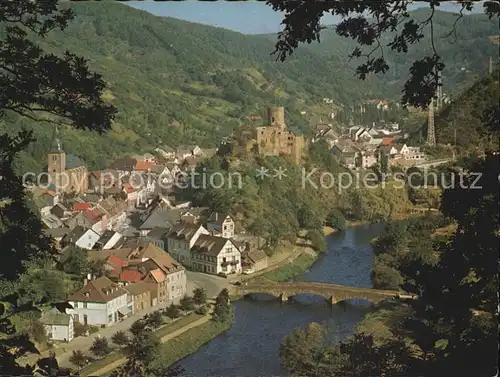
[(199, 331)]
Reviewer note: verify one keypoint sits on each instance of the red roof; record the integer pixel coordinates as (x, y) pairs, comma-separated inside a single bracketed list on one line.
[(128, 187), (81, 207), (51, 193), (143, 166), (93, 215), (116, 262), (131, 275), (387, 140)]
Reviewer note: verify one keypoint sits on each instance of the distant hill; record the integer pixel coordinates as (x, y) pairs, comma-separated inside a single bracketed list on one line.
[(466, 53), (462, 118), (178, 82)]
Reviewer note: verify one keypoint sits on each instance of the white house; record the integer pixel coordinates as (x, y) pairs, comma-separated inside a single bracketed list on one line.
[(108, 239), (180, 240), (81, 237), (222, 224), (59, 326), (166, 151), (99, 302), (215, 255), (361, 134)]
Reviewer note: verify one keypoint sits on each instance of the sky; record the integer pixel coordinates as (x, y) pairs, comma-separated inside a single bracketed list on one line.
[(248, 17)]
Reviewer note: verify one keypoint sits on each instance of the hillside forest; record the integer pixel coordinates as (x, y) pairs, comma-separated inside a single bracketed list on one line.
[(176, 82)]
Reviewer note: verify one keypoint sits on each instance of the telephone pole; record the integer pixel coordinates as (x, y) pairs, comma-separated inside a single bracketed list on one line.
[(490, 65)]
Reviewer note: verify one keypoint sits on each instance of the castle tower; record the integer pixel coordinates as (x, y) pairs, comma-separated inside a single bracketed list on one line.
[(431, 136), (276, 116)]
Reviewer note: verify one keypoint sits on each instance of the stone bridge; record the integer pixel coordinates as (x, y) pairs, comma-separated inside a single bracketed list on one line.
[(333, 293)]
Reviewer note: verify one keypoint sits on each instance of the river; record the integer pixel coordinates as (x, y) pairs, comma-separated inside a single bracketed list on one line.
[(251, 347)]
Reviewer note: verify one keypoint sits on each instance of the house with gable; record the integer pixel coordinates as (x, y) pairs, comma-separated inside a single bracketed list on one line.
[(78, 219), (215, 255), (107, 240), (99, 302), (140, 295), (160, 217), (166, 152), (58, 326), (124, 165), (180, 240), (84, 238), (221, 223), (346, 153)]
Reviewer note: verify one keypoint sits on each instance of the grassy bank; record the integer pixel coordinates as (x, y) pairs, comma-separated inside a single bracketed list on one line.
[(292, 270), (117, 357), (189, 342)]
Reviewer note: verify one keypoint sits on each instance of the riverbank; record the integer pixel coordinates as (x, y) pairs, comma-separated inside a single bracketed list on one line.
[(170, 331), (189, 342)]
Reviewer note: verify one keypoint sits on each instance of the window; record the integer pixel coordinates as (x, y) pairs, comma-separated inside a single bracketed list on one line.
[(76, 305), (85, 305)]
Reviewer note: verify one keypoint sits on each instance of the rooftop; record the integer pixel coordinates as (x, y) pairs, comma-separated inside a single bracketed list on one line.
[(100, 290)]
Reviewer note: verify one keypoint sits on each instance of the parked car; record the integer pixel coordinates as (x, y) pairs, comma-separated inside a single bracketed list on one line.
[(248, 272), (238, 283), (222, 275)]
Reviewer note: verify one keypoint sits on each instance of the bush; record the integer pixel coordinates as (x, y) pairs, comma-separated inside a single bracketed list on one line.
[(337, 220), (100, 347), (187, 303), (120, 338), (79, 329), (37, 332), (317, 239), (79, 359), (172, 312), (154, 319), (199, 296), (202, 310)]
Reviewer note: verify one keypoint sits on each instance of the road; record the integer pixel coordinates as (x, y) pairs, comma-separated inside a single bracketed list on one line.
[(212, 284)]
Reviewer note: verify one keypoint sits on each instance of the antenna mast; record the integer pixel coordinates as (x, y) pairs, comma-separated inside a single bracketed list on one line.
[(431, 136)]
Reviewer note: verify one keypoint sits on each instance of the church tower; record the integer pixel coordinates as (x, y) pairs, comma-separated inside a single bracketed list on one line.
[(56, 159)]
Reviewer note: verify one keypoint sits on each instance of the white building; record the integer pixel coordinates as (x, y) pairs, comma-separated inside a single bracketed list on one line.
[(59, 326), (180, 240), (215, 255), (223, 224), (193, 246), (99, 302), (81, 237)]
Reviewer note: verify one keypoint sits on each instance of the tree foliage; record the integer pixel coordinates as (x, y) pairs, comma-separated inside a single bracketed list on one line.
[(223, 311), (100, 347), (199, 296), (451, 327)]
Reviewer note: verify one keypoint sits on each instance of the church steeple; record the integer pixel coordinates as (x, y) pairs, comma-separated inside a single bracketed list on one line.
[(56, 147)]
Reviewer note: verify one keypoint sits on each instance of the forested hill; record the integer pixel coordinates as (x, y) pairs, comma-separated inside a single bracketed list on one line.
[(462, 121), (465, 53), (179, 82)]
